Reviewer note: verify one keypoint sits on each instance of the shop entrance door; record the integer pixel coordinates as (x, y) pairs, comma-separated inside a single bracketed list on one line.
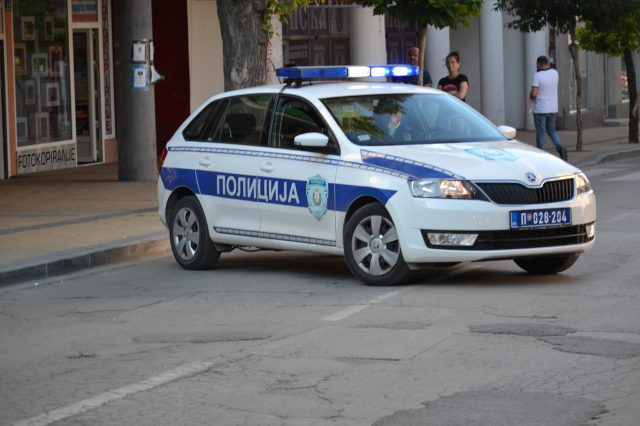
[(85, 64)]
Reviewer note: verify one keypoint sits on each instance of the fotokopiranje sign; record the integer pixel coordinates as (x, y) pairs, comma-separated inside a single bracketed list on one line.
[(47, 158)]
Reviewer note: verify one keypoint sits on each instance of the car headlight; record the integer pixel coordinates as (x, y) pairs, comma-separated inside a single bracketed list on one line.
[(583, 184), (443, 188)]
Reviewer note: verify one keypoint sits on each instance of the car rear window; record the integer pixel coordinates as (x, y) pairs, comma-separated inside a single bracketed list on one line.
[(194, 129), (244, 120)]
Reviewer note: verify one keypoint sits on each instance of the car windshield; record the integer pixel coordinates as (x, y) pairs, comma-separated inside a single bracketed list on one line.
[(409, 119)]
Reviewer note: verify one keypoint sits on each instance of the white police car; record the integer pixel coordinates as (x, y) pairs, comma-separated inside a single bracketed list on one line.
[(394, 177)]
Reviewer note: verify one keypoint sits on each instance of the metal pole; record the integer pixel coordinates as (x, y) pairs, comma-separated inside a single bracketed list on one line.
[(135, 108)]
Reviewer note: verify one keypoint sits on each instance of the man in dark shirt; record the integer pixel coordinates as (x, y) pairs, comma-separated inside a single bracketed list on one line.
[(412, 59)]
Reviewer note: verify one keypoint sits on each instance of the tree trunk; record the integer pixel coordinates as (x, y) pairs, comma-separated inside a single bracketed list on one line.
[(631, 81), (244, 43), (423, 44), (573, 50)]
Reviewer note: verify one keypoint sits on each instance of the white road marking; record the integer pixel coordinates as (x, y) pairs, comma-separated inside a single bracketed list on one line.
[(631, 176), (357, 308), (114, 395), (364, 305), (598, 172)]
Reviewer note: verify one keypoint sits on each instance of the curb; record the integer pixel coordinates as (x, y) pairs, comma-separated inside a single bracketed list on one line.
[(606, 157), (73, 260)]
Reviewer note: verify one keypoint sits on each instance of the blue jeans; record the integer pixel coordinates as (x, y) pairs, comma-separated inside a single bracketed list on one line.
[(546, 122)]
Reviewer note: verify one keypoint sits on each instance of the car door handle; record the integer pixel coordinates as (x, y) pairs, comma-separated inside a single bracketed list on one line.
[(266, 167), (205, 162)]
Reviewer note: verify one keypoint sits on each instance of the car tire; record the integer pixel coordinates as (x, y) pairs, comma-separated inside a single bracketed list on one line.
[(190, 241), (372, 248), (547, 265)]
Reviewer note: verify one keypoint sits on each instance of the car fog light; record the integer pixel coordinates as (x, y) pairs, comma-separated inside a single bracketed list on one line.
[(452, 239), (591, 230)]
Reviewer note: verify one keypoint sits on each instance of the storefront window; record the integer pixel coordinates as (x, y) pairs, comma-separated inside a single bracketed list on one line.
[(41, 51), (317, 36), (401, 36)]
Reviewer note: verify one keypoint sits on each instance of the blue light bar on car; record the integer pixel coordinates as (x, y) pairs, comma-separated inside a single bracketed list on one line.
[(394, 70), (312, 72), (305, 73), (297, 73)]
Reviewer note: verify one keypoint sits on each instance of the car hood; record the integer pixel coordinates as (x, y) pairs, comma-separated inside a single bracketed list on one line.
[(511, 161)]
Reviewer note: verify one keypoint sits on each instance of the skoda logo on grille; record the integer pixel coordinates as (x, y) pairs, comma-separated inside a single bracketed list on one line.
[(532, 178)]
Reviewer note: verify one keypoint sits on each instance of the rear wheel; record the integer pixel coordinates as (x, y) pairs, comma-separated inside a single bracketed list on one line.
[(372, 248), (190, 242), (547, 265)]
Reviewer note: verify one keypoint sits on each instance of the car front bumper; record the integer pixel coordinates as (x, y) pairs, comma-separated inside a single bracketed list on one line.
[(412, 216)]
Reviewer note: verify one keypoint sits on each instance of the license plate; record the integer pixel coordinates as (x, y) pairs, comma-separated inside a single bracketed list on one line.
[(540, 218)]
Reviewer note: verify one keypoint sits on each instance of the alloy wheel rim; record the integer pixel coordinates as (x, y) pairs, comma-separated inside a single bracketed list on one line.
[(186, 233), (375, 246)]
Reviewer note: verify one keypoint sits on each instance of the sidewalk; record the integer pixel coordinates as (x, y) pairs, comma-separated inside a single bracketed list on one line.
[(59, 222), (599, 145)]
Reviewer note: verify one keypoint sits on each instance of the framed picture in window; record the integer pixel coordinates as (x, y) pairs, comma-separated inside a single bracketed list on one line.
[(22, 129), (320, 52), (55, 56), (30, 92), (64, 127), (339, 21), (39, 65), (340, 51), (20, 52), (42, 127), (48, 28), (28, 28), (53, 94)]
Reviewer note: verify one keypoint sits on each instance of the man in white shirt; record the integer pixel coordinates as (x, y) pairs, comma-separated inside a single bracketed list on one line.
[(544, 91)]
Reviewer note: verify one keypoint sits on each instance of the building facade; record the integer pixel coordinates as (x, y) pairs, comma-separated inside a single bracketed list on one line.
[(57, 86), (57, 92)]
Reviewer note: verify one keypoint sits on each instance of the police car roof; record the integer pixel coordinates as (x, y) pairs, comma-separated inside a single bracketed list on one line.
[(327, 89)]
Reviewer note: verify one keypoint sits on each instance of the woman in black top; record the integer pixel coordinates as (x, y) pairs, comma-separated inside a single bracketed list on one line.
[(455, 84)]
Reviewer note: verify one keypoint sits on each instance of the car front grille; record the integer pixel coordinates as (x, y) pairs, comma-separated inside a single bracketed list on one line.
[(553, 191), (520, 239)]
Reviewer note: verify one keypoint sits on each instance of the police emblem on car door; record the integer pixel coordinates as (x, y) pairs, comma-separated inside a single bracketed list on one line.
[(317, 194)]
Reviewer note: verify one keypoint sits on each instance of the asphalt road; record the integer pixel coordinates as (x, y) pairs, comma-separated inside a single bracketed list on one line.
[(293, 339)]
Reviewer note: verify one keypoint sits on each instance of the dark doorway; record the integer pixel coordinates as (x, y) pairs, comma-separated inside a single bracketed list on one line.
[(171, 45)]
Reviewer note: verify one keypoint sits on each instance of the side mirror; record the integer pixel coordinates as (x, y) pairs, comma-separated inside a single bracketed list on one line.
[(510, 132), (311, 140)]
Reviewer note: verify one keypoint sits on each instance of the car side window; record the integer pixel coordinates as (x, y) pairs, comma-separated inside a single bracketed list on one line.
[(243, 121), (194, 129), (214, 128), (294, 117)]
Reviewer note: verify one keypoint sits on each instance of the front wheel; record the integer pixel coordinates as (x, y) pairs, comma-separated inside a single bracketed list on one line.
[(547, 265), (372, 248), (190, 242)]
